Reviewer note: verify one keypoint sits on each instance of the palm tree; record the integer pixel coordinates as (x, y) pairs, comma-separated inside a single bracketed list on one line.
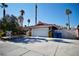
[(36, 14), (68, 12), (22, 12), (28, 21), (3, 5), (20, 18)]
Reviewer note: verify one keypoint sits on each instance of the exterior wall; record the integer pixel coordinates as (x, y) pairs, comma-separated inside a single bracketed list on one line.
[(41, 32), (77, 32), (49, 32), (29, 32), (68, 33)]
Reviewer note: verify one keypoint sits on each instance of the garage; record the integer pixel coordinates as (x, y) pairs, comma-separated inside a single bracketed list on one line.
[(42, 32)]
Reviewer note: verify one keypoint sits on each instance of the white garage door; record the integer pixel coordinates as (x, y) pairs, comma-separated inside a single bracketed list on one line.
[(42, 32)]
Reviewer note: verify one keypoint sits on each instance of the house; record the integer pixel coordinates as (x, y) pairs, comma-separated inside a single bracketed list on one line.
[(42, 29), (51, 30)]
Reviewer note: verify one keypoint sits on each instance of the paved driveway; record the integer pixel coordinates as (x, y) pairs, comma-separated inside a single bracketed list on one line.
[(55, 47)]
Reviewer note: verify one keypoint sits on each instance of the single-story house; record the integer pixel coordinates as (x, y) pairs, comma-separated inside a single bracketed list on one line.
[(50, 30), (42, 29)]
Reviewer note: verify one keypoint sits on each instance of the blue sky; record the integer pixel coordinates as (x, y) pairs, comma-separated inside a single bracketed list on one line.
[(53, 13)]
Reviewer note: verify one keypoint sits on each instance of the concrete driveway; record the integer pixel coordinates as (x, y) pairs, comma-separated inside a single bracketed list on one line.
[(54, 47)]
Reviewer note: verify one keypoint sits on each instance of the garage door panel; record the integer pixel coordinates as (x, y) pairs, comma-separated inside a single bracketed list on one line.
[(40, 32)]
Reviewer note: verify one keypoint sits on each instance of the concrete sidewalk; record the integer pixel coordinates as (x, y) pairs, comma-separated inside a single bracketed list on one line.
[(50, 48)]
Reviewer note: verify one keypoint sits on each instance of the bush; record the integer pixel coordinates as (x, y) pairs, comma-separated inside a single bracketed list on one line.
[(1, 33)]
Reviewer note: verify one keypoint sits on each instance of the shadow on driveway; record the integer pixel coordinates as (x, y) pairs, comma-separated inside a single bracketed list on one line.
[(27, 40), (61, 41)]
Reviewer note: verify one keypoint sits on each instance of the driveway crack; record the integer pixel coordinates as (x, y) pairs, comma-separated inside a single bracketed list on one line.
[(25, 53), (56, 50)]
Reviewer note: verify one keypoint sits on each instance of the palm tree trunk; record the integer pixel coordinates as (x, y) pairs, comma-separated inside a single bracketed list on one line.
[(69, 22), (3, 12), (35, 14)]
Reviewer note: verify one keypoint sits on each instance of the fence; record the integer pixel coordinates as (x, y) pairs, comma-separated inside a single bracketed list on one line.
[(68, 33)]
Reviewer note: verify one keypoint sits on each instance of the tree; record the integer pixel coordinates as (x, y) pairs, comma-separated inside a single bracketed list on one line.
[(13, 24), (28, 21), (78, 27), (68, 12), (4, 24), (0, 23), (3, 5), (20, 18), (22, 12), (8, 23)]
